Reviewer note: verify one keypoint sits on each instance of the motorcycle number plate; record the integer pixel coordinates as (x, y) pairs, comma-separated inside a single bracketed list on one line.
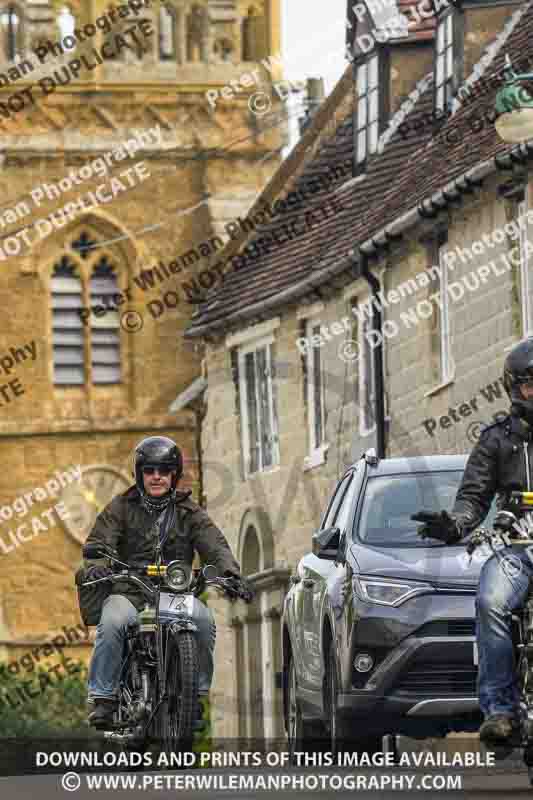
[(183, 603), (476, 658)]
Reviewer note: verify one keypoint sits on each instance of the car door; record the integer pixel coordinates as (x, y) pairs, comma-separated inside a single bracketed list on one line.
[(316, 573)]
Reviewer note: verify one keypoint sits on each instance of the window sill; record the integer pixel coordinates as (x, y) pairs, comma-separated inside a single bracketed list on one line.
[(439, 388), (316, 458)]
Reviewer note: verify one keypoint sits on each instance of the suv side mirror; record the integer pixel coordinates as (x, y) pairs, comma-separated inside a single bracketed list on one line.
[(326, 543)]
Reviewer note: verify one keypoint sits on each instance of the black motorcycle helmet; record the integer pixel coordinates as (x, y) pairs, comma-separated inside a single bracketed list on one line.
[(157, 451), (518, 369)]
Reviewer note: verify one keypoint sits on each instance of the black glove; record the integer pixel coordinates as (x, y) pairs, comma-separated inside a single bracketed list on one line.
[(442, 526), (238, 587), (97, 572)]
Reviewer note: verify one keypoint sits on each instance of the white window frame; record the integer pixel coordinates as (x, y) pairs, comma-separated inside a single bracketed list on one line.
[(367, 121), (446, 360), (366, 375), (254, 346), (526, 305), (444, 57), (317, 451)]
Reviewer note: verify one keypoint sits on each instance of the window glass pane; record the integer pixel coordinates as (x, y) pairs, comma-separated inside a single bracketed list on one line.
[(167, 41), (449, 62), (373, 111), (343, 516), (373, 137), (361, 113), (361, 145), (440, 70), (362, 80), (449, 28), (264, 401), (329, 519), (316, 354), (373, 73), (251, 406), (389, 503), (440, 38)]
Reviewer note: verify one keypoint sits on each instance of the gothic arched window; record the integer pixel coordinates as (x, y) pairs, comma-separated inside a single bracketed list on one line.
[(167, 33), (85, 323), (11, 22)]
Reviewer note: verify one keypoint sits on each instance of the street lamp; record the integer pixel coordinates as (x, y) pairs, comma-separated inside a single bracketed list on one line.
[(514, 105)]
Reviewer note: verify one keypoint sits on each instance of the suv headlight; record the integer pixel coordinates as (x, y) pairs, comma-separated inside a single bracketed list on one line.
[(178, 576), (386, 592)]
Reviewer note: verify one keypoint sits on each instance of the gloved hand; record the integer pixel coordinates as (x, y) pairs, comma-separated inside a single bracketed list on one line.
[(237, 586), (442, 526), (97, 572)]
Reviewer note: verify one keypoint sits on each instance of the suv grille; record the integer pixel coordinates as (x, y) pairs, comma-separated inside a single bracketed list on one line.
[(448, 627), (435, 680)]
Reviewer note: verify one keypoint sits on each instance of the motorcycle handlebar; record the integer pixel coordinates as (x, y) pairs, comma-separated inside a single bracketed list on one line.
[(225, 584)]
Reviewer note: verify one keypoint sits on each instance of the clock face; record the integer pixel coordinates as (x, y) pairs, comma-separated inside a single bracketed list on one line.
[(84, 499)]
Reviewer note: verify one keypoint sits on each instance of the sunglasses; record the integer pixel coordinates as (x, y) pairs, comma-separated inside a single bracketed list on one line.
[(160, 470)]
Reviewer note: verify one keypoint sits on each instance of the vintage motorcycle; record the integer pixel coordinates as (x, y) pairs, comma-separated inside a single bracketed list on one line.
[(158, 685), (507, 533)]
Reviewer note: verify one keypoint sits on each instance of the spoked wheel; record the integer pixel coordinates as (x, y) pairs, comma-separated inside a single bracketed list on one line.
[(341, 733), (303, 736), (179, 711)]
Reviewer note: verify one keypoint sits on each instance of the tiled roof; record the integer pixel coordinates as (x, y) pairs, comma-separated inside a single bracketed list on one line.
[(408, 171)]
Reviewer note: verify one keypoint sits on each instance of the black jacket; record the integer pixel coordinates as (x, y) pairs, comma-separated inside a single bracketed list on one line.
[(127, 528), (501, 462)]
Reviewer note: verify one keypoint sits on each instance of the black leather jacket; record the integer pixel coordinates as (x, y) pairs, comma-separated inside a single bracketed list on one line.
[(501, 462)]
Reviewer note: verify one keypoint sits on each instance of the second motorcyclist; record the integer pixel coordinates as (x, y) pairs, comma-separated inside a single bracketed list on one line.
[(500, 463)]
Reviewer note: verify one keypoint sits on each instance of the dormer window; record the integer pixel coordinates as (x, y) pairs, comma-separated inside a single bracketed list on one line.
[(367, 108), (448, 59)]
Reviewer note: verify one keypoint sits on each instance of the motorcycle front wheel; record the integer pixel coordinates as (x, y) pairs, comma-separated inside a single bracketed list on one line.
[(179, 710)]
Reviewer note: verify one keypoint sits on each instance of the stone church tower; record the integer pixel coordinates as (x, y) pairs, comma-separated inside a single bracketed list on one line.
[(112, 162)]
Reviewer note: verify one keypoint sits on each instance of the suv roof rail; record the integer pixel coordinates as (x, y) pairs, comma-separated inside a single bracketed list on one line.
[(371, 457)]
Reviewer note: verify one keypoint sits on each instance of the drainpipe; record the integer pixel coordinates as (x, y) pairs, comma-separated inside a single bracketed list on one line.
[(373, 282), (377, 354)]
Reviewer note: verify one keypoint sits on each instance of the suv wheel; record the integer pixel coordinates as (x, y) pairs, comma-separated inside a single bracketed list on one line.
[(340, 730), (304, 736)]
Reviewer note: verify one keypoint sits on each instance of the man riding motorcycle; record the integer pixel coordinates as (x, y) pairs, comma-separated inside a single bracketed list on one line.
[(499, 463), (126, 525)]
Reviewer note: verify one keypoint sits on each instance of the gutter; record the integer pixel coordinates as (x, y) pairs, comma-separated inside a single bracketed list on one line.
[(371, 246)]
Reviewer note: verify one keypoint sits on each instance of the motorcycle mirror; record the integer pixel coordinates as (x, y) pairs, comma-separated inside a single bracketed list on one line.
[(94, 551), (209, 572)]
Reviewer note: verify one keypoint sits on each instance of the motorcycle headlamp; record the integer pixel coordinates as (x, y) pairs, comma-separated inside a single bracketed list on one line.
[(178, 576)]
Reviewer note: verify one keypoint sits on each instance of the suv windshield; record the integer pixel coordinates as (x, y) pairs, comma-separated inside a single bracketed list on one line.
[(390, 501)]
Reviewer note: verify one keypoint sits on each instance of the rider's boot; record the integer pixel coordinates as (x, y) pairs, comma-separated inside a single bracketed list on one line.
[(103, 712), (498, 728)]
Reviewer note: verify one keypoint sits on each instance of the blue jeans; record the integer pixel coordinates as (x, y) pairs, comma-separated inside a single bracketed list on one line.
[(106, 661), (502, 590)]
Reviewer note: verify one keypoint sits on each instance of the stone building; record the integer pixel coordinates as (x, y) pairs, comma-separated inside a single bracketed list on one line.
[(112, 162), (400, 190)]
